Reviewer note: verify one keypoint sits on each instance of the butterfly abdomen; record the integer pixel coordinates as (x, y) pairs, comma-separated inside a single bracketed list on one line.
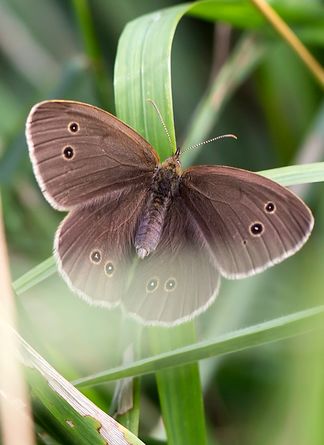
[(164, 185), (150, 225)]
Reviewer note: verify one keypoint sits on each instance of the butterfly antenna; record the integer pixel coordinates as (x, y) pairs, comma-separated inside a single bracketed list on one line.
[(161, 120), (210, 140)]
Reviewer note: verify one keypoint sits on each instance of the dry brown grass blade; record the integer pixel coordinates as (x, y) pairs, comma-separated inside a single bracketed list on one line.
[(15, 412), (283, 29)]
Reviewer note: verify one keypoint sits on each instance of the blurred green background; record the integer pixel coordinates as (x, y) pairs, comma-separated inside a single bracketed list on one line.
[(272, 394)]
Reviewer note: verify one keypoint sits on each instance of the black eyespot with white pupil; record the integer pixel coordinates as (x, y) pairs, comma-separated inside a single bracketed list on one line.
[(170, 284), (256, 229), (95, 256), (270, 207), (152, 285), (68, 152), (109, 269), (74, 127)]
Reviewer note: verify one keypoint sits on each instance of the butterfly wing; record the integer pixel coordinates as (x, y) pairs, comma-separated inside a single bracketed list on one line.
[(80, 152), (94, 246), (248, 222), (176, 282)]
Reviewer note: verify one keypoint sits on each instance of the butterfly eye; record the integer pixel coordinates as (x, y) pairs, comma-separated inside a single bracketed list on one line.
[(170, 284), (68, 152), (74, 127), (152, 284), (270, 207), (95, 256), (109, 269), (256, 229)]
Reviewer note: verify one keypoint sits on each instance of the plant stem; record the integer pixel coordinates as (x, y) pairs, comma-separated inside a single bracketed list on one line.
[(283, 29), (92, 49)]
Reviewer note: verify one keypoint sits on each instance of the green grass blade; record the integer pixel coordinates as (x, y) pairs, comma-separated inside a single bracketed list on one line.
[(273, 330), (142, 72), (79, 418), (246, 56), (92, 49), (179, 388), (296, 174), (35, 275)]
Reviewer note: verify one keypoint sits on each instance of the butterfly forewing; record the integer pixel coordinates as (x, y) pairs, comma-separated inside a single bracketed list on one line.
[(248, 222), (80, 153)]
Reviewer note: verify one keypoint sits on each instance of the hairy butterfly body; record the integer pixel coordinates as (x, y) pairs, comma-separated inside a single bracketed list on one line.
[(146, 234), (163, 190)]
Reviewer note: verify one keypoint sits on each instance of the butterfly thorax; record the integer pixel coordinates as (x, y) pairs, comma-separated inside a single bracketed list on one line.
[(164, 186)]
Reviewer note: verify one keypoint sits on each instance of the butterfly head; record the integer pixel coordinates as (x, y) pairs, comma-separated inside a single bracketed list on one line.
[(173, 163)]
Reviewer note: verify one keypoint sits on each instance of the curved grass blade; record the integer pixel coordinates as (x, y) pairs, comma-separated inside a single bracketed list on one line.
[(142, 73), (296, 174), (80, 418), (277, 329)]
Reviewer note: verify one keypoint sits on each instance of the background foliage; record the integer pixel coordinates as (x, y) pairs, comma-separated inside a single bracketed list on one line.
[(55, 49)]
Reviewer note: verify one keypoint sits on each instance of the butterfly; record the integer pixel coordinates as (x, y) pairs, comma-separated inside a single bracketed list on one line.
[(147, 234)]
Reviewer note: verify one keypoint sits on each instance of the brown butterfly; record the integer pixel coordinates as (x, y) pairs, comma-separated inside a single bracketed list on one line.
[(147, 234)]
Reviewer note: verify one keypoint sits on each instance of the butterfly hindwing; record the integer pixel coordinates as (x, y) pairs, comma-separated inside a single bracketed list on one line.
[(94, 246), (248, 222), (176, 282)]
